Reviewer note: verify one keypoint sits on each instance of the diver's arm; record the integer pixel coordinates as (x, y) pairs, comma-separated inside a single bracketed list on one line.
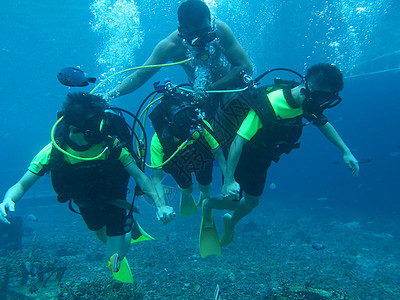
[(15, 193), (164, 213), (161, 54), (156, 177), (236, 56), (231, 187), (144, 183), (332, 135), (220, 159)]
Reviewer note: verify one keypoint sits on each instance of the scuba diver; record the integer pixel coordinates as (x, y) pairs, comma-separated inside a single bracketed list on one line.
[(91, 167), (183, 144), (272, 127), (215, 56)]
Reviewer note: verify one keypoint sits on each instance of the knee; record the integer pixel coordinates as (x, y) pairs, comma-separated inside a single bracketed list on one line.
[(205, 189), (252, 201), (187, 191), (101, 235)]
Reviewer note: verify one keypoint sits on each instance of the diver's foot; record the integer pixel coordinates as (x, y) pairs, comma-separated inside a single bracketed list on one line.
[(187, 206), (228, 234), (207, 217), (209, 240), (114, 263)]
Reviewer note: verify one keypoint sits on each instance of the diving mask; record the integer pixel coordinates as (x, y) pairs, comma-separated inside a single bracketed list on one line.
[(318, 101), (198, 38), (184, 122), (91, 128), (183, 115)]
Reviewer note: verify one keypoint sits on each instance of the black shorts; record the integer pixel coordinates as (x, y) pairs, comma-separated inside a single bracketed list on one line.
[(251, 172), (182, 174), (110, 216), (197, 160)]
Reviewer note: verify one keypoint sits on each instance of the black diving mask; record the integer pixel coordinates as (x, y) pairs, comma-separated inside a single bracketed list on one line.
[(198, 38), (318, 101), (183, 115), (183, 121), (91, 128)]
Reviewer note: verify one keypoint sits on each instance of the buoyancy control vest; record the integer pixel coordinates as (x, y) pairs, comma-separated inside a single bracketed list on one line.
[(278, 134), (175, 121), (92, 182)]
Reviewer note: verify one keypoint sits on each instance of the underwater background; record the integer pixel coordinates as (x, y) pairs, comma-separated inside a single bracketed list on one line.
[(310, 196)]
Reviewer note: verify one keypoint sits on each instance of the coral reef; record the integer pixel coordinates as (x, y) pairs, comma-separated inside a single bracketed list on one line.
[(99, 289)]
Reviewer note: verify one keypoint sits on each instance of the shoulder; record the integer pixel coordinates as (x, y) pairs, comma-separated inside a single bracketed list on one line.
[(172, 41), (221, 26), (155, 143), (224, 32), (41, 162), (171, 46), (45, 153)]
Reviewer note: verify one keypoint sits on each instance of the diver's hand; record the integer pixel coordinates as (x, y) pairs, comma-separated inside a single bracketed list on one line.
[(9, 205), (165, 214), (352, 163), (231, 190)]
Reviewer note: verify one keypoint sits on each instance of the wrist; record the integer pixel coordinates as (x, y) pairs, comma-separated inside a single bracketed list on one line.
[(8, 200), (346, 151), (229, 180), (159, 203)]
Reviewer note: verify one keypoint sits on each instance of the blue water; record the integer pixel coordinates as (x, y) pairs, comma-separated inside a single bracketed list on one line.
[(38, 38)]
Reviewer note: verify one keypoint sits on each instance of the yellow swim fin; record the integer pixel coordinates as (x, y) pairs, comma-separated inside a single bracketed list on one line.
[(187, 206), (138, 234), (124, 273), (209, 240)]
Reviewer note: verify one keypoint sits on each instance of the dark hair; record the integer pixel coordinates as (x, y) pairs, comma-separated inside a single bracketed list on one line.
[(325, 76), (80, 106), (193, 12)]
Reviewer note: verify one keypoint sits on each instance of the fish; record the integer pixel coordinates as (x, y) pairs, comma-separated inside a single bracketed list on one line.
[(318, 246), (74, 77), (32, 217), (217, 293), (272, 186), (365, 160), (322, 199)]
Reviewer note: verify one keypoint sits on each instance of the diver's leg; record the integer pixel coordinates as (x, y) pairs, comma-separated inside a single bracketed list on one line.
[(116, 251), (118, 241), (246, 205), (187, 205), (205, 191), (116, 244), (101, 235), (251, 174), (221, 203), (204, 180), (186, 192)]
